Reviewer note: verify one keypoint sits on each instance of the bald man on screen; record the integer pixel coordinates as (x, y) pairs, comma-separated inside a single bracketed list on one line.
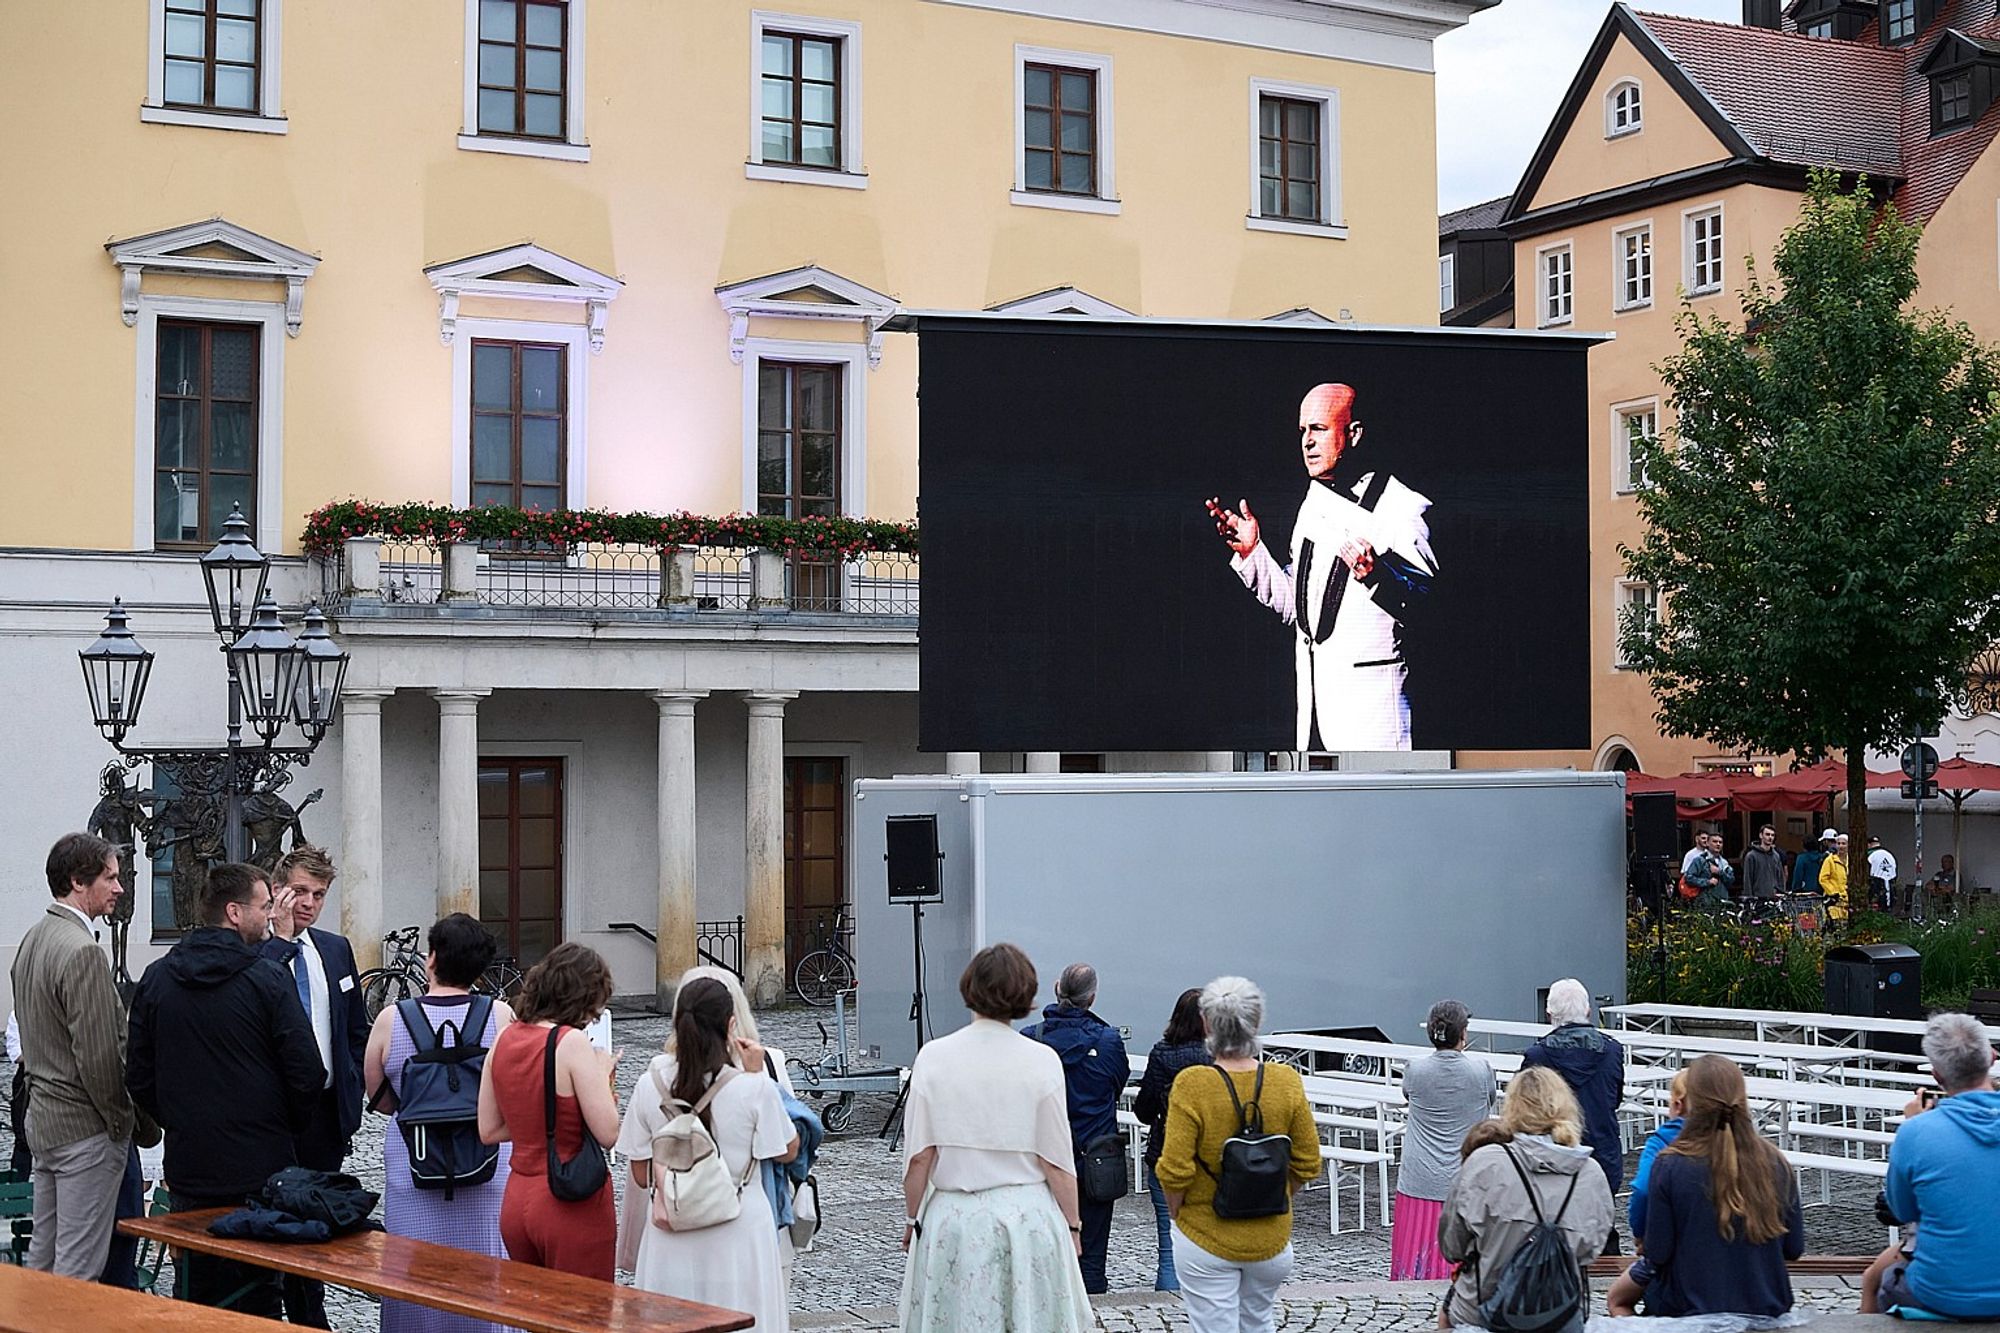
[(1361, 561)]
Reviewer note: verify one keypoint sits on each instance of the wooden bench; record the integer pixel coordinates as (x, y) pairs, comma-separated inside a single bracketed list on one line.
[(1811, 1265), (32, 1302), (540, 1300)]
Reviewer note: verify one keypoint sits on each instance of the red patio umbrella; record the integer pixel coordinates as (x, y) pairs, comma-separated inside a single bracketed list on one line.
[(1697, 796), (1807, 789)]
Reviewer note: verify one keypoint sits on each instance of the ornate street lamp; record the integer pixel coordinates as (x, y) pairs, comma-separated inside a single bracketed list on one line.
[(115, 671), (321, 668), (235, 572), (265, 662)]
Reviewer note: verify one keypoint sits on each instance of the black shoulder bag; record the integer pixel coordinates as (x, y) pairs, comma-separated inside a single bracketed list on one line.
[(583, 1175)]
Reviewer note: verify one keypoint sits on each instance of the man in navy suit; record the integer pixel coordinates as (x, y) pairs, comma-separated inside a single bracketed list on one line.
[(321, 964)]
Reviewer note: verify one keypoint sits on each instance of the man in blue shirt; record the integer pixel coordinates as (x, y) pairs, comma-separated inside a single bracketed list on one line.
[(1095, 1070), (1942, 1166)]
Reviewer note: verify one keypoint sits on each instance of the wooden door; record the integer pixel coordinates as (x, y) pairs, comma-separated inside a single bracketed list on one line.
[(521, 855), (815, 851)]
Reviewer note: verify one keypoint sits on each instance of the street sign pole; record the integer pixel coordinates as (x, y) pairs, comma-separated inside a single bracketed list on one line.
[(1920, 766)]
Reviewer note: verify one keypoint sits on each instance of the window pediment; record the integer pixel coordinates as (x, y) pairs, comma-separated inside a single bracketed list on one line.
[(523, 273), (218, 249), (810, 292), (1061, 301)]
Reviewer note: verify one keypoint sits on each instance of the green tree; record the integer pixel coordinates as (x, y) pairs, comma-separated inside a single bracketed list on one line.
[(1820, 524)]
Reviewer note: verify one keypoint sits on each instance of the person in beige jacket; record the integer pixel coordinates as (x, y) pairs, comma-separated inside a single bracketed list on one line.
[(80, 1119), (1488, 1215)]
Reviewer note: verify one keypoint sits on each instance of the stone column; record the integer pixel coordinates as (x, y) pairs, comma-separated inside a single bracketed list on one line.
[(764, 850), (361, 823), (961, 761), (675, 784), (458, 800), (1043, 761)]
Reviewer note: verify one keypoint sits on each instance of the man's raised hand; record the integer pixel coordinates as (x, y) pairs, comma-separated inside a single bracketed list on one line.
[(1237, 526)]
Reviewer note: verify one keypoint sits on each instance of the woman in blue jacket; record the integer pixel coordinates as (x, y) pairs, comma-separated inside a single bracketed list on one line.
[(1179, 1047)]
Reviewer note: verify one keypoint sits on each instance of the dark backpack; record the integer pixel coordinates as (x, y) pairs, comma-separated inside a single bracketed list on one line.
[(1541, 1286), (1256, 1167), (438, 1100)]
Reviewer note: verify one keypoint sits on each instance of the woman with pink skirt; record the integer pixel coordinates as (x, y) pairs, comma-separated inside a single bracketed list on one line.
[(1448, 1093)]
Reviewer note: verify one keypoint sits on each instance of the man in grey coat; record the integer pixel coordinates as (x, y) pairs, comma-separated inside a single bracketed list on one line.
[(80, 1119)]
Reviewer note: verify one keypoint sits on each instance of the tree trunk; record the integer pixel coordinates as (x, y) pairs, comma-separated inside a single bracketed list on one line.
[(1857, 826)]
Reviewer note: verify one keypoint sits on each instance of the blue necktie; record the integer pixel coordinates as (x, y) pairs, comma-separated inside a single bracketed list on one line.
[(300, 975)]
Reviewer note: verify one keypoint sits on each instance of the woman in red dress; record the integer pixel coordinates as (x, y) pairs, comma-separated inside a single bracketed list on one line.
[(565, 991)]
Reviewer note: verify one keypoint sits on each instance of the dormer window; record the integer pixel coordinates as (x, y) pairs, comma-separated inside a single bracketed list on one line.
[(1822, 28), (1621, 110), (1953, 101), (1899, 22), (1963, 73)]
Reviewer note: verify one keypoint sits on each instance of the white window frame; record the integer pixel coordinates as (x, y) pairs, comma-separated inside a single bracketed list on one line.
[(1622, 481), (1636, 121), (1543, 319), (1619, 300), (1620, 599), (1332, 221), (574, 147), (576, 370), (1447, 282), (1106, 199), (270, 317), (270, 116), (853, 175), (853, 357), (1691, 258)]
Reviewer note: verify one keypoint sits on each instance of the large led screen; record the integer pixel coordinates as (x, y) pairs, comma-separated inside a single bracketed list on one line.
[(1396, 556)]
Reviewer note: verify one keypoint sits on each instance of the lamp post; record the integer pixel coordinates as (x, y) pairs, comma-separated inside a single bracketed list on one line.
[(273, 680)]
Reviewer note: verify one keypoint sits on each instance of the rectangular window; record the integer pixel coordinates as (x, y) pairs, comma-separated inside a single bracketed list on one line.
[(1288, 160), (1634, 424), (205, 430), (520, 424), (1634, 249), (801, 100), (1822, 28), (1954, 100), (1059, 129), (1899, 21), (1704, 251), (798, 439), (523, 68), (1447, 283), (1558, 286), (1635, 600), (521, 855), (211, 55)]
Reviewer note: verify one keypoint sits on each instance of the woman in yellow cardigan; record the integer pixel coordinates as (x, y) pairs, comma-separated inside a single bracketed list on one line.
[(1230, 1269)]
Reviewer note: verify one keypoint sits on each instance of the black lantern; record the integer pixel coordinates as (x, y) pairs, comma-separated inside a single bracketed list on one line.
[(321, 667), (235, 572), (266, 660), (115, 670)]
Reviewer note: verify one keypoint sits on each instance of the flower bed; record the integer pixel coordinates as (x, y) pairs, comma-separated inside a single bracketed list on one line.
[(442, 525), (1715, 959)]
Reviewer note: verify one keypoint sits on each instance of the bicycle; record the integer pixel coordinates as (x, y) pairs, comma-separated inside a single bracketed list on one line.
[(403, 977), (827, 970)]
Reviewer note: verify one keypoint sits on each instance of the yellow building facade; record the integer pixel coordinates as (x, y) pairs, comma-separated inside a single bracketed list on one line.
[(636, 257)]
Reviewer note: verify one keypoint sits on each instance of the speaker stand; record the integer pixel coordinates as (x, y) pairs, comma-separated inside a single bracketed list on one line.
[(919, 1011)]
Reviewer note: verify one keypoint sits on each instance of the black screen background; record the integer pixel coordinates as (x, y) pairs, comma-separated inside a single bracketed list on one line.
[(1075, 593)]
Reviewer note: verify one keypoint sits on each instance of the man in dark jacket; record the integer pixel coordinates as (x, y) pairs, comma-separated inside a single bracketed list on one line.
[(1094, 1073), (1763, 868), (220, 1054), (1593, 1065)]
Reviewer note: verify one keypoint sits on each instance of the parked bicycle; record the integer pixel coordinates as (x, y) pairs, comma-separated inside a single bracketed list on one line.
[(402, 976), (827, 970)]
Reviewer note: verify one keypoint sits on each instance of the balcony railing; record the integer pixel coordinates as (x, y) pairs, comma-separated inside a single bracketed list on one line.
[(615, 579)]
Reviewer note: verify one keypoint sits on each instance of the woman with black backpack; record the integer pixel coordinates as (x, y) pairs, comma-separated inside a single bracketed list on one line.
[(1240, 1141), (1525, 1216)]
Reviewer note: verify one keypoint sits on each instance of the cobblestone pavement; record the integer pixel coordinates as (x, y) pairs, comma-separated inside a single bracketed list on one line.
[(851, 1278)]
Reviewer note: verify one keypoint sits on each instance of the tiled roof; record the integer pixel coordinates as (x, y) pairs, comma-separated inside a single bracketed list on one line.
[(1852, 105), (1477, 217)]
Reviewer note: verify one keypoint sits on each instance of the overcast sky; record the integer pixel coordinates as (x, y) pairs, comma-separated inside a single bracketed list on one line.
[(1500, 76)]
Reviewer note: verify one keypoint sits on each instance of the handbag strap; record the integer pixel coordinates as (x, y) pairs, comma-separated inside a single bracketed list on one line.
[(1534, 1200), (1256, 1099), (549, 1087)]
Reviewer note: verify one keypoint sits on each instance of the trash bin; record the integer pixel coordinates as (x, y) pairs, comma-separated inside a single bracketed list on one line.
[(1877, 981)]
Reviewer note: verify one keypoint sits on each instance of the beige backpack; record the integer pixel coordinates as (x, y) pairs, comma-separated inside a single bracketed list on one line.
[(692, 1187)]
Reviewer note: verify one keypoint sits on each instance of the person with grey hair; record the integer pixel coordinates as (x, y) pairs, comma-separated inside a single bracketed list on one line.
[(1593, 1064), (1942, 1166), (1448, 1092), (1095, 1070), (1230, 1268)]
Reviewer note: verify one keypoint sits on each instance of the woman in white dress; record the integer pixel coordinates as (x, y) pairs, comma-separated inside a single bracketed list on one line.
[(733, 1264), (990, 1174)]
